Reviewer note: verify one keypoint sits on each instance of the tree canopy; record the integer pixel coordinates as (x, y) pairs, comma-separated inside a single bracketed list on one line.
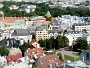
[(51, 43), (82, 44), (3, 50), (66, 41), (42, 43), (41, 10), (60, 42), (49, 19), (24, 47)]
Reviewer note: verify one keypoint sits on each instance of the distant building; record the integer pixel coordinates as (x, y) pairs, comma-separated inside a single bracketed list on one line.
[(53, 6), (28, 8), (23, 35), (82, 26), (17, 24), (11, 7), (66, 21)]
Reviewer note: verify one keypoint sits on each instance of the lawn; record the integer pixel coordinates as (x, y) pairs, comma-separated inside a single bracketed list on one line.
[(67, 57), (76, 54)]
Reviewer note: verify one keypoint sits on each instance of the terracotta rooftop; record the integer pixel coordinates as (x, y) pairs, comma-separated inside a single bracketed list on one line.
[(46, 22), (12, 19), (32, 43), (49, 60), (39, 19), (40, 66), (32, 52)]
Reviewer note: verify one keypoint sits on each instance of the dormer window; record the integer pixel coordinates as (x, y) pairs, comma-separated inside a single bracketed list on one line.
[(54, 58)]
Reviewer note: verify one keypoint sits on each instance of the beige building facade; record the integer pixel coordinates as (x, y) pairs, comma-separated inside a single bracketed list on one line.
[(44, 32), (41, 33)]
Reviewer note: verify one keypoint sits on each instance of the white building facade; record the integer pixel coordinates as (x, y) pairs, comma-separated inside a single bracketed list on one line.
[(73, 37), (82, 26)]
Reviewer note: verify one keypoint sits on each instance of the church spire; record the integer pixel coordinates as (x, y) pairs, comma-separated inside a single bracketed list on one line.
[(48, 14)]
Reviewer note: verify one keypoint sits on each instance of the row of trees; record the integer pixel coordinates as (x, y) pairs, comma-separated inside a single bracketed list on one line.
[(62, 41), (41, 10), (59, 42)]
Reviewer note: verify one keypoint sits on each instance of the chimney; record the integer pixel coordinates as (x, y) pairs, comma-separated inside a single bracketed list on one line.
[(5, 57), (9, 35), (50, 65), (64, 65), (12, 42), (7, 43), (56, 63), (83, 58), (37, 52), (36, 45), (40, 56), (41, 63), (32, 53)]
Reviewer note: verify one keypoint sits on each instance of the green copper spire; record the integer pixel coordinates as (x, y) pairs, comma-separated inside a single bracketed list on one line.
[(48, 14)]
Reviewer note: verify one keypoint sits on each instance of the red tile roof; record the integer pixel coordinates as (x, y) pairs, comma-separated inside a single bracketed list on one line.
[(40, 66), (33, 41), (39, 19), (12, 19), (32, 52), (31, 44), (13, 57), (46, 22), (52, 60)]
